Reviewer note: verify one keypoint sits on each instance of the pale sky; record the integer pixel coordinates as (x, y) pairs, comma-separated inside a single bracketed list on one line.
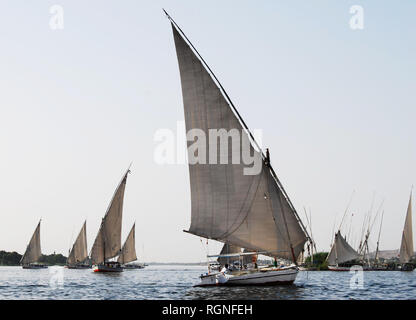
[(78, 104)]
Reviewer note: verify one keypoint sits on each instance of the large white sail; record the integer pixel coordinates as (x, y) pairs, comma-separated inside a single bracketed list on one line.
[(33, 251), (341, 251), (248, 211), (128, 252), (406, 247), (79, 250), (107, 244)]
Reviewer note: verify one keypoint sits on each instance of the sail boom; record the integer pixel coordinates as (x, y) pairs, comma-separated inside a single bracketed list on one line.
[(236, 254)]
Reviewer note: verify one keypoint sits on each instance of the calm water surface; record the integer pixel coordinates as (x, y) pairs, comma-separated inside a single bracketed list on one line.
[(175, 282)]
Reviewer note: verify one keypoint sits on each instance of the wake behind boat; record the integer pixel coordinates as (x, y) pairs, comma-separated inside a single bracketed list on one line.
[(33, 252), (250, 211)]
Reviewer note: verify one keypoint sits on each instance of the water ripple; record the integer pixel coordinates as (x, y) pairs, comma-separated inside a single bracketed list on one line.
[(176, 282)]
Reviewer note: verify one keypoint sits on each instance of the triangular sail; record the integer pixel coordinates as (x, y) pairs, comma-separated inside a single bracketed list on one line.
[(341, 251), (33, 251), (248, 211), (128, 252), (406, 247), (107, 244), (79, 250)]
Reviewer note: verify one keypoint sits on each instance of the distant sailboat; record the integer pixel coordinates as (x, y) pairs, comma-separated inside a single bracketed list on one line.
[(33, 252), (128, 252), (107, 244), (79, 254), (246, 211), (340, 252), (406, 247)]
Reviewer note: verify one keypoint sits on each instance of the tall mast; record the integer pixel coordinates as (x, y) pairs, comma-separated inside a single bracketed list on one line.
[(346, 210), (226, 96), (378, 240)]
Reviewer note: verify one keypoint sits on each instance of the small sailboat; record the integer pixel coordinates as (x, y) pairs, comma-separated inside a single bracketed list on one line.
[(340, 253), (107, 244), (128, 252), (33, 252), (250, 211), (406, 247), (78, 255)]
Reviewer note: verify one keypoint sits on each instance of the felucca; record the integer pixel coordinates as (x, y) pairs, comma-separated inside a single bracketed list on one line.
[(107, 244), (78, 255), (128, 252), (249, 211), (406, 247), (340, 253), (33, 252)]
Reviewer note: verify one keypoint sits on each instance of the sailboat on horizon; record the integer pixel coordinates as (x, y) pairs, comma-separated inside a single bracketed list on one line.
[(78, 256), (341, 252), (247, 211), (128, 252), (33, 252), (406, 246), (107, 244)]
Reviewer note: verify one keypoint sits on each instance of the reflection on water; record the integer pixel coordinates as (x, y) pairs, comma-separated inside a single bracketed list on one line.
[(176, 282)]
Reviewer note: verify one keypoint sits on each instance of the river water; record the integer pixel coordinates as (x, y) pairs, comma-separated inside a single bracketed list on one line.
[(176, 282)]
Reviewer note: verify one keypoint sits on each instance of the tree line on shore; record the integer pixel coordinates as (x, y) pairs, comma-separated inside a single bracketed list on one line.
[(13, 259)]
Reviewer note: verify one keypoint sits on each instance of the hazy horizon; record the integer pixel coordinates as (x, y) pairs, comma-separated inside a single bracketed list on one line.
[(335, 105)]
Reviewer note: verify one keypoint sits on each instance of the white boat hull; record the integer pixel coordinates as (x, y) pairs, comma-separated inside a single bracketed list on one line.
[(283, 276)]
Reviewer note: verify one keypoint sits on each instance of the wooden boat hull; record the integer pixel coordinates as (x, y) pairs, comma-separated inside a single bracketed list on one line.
[(34, 266), (262, 277), (108, 268)]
